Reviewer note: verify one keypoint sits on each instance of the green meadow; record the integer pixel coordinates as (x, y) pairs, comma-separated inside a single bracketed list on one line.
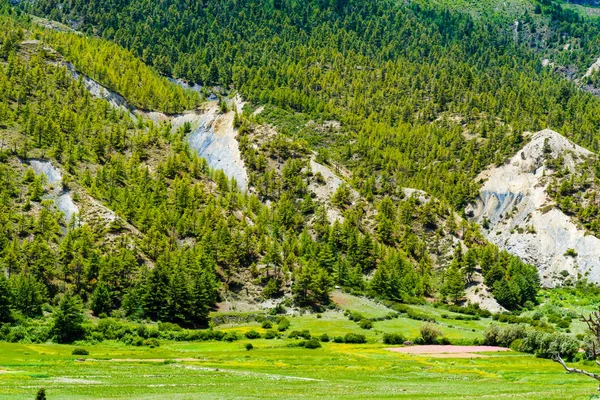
[(275, 369), (219, 370), (279, 369)]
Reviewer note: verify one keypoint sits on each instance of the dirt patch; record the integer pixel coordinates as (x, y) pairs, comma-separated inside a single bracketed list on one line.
[(439, 351)]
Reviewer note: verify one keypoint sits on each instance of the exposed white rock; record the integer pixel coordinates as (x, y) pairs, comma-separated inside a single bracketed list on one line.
[(478, 293), (62, 198), (324, 191), (214, 136), (99, 91), (522, 218), (593, 68), (215, 140)]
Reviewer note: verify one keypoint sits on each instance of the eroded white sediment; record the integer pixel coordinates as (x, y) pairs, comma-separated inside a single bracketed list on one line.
[(215, 140), (523, 219), (62, 198)]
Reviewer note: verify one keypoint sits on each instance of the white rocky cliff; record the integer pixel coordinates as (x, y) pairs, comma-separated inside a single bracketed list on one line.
[(523, 220), (62, 197)]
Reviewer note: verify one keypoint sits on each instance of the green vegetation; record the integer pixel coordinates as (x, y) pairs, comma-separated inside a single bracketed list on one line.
[(388, 95)]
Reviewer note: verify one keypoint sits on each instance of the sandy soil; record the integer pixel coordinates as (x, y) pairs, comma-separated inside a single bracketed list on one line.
[(439, 351)]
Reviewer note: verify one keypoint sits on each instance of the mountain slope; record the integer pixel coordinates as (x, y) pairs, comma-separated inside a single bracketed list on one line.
[(519, 215)]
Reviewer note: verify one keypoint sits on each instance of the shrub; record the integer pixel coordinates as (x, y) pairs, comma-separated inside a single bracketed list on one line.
[(570, 253), (516, 345), (497, 336), (283, 324), (80, 352), (365, 323), (168, 327), (312, 344), (230, 337), (354, 316), (252, 335), (271, 335), (429, 333), (355, 338), (41, 394), (248, 346), (297, 334), (324, 338), (564, 323), (152, 343), (393, 338), (410, 312), (442, 340), (338, 339), (267, 324)]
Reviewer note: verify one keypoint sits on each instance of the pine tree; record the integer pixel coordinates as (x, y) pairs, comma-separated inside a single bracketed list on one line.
[(156, 296), (203, 297), (179, 297), (68, 319), (454, 285), (5, 299), (29, 295), (101, 300)]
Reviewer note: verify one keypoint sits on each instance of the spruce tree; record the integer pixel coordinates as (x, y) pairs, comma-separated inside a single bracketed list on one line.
[(5, 299), (68, 319), (101, 300)]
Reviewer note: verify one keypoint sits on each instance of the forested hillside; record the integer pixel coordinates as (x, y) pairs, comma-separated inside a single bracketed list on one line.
[(410, 82), (390, 96)]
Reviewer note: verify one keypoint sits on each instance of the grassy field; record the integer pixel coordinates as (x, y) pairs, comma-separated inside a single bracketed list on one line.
[(218, 370), (274, 370)]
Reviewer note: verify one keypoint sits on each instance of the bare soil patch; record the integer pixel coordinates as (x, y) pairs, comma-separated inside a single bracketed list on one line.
[(440, 351)]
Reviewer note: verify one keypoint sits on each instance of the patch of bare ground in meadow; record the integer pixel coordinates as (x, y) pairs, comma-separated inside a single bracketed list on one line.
[(440, 351)]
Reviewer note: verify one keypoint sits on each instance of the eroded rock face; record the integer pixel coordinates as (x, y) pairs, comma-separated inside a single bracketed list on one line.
[(62, 198), (523, 220), (215, 140)]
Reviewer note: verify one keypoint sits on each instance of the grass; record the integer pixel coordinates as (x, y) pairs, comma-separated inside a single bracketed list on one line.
[(363, 305), (273, 371)]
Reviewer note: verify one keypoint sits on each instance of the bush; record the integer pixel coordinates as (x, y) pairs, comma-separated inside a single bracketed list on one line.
[(312, 344), (152, 343), (497, 336), (355, 338), (338, 339), (168, 327), (267, 324), (230, 337), (429, 333), (324, 338), (410, 312), (393, 338), (528, 340), (80, 352), (252, 335), (365, 323), (564, 323), (283, 324), (271, 335), (41, 394), (516, 345), (354, 316), (297, 334), (248, 346)]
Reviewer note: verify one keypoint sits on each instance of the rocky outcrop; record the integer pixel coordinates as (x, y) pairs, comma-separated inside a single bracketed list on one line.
[(62, 197), (213, 137), (215, 140), (521, 218)]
